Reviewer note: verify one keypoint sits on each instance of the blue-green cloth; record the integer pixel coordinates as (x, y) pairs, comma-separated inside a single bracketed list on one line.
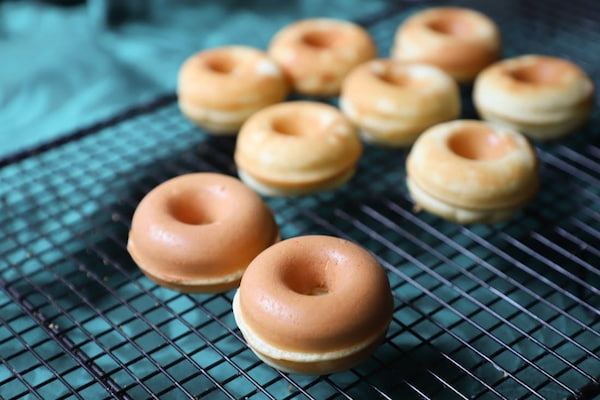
[(63, 68)]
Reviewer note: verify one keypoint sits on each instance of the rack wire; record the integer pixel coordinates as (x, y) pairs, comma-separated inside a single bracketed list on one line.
[(504, 311)]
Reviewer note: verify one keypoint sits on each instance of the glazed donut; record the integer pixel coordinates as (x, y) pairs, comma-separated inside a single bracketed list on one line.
[(295, 148), (198, 232), (458, 40), (393, 102), (468, 171), (313, 305), (317, 53), (543, 97), (220, 88)]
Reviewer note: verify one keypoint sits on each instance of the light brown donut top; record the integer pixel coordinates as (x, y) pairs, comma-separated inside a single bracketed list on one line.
[(469, 163), (296, 143), (200, 226), (460, 41), (315, 293), (231, 78), (317, 53), (387, 87), (543, 85)]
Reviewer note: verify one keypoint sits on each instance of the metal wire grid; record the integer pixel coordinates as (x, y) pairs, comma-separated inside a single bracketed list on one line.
[(507, 311)]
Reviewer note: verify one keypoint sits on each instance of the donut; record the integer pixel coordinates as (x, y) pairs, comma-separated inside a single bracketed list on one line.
[(317, 53), (198, 232), (458, 40), (544, 97), (392, 102), (295, 148), (313, 305), (218, 89), (469, 171)]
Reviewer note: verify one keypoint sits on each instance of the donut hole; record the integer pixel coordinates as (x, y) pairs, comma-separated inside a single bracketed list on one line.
[(545, 72), (479, 143), (452, 24), (307, 280), (320, 39), (400, 78), (187, 209), (302, 124), (220, 64)]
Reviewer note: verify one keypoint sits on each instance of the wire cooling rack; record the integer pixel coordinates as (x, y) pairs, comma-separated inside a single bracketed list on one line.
[(504, 311)]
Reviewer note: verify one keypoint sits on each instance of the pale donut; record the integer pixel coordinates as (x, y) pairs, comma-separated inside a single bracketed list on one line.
[(469, 171), (313, 305), (394, 102), (317, 53), (220, 88), (198, 232), (543, 97), (458, 40), (296, 148)]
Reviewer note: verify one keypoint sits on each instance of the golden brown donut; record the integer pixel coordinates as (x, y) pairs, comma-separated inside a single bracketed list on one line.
[(458, 40), (220, 88), (543, 97), (394, 102), (469, 171), (317, 53), (198, 232), (297, 147), (313, 305)]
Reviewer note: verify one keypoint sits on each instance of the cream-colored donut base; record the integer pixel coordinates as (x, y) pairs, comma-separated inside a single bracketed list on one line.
[(219, 88), (543, 97), (317, 53), (462, 74), (297, 147), (393, 102), (460, 55), (214, 285), (317, 86), (208, 285), (455, 213), (217, 122), (272, 190), (384, 131), (539, 131), (505, 178), (379, 138), (320, 363)]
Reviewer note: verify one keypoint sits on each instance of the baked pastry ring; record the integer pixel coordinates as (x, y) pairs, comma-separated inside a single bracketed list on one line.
[(543, 97), (296, 148), (394, 102), (218, 89), (458, 40), (313, 305), (198, 232), (468, 171), (317, 53)]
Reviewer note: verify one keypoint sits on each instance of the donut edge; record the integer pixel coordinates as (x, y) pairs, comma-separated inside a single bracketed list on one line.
[(306, 363), (267, 189), (196, 286), (459, 214)]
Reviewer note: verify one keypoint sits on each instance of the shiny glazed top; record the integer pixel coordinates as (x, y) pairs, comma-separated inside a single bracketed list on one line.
[(387, 87), (297, 143), (200, 226), (458, 40), (315, 293), (317, 53), (473, 164), (231, 78), (534, 83)]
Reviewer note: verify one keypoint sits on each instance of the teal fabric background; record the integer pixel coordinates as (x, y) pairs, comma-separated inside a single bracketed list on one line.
[(506, 308), (63, 68)]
